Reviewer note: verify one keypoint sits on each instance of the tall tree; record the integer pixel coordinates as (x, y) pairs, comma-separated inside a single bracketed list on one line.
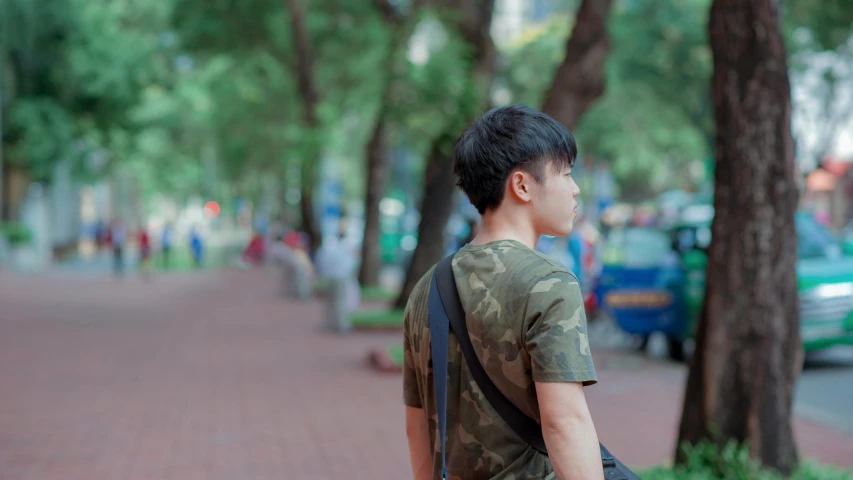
[(73, 72), (376, 151), (308, 72), (748, 349), (579, 80), (658, 62), (308, 94), (471, 21)]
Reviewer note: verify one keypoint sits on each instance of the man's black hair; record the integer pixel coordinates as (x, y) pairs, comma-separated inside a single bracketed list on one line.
[(503, 139)]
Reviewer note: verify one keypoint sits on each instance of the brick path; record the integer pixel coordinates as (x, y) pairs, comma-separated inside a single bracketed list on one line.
[(215, 377), (189, 377)]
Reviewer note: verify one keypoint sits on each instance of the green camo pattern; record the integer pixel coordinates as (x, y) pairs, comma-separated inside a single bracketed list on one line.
[(525, 315)]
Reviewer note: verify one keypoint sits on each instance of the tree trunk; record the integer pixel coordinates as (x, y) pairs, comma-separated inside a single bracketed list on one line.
[(376, 152), (309, 218), (748, 349), (579, 80), (439, 185), (308, 94), (377, 177), (436, 206)]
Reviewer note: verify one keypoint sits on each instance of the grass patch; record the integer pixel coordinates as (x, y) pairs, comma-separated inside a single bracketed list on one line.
[(375, 293), (377, 319), (16, 233), (395, 353), (809, 470), (708, 462), (368, 293), (321, 285), (181, 259)]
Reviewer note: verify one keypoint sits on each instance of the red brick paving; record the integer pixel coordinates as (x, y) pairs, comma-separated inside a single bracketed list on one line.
[(188, 377), (215, 377)]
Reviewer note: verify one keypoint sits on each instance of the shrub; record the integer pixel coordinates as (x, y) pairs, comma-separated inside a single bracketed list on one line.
[(706, 461), (16, 233)]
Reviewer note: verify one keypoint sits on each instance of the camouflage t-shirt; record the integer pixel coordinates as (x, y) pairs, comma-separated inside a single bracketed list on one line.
[(527, 323)]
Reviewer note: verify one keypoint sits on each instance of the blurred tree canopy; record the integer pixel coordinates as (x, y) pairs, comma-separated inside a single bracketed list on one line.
[(200, 97), (656, 113), (73, 71)]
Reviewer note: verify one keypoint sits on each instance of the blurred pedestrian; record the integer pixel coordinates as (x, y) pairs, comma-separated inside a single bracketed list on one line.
[(196, 247), (255, 251), (118, 238), (336, 263), (166, 243), (299, 274), (100, 235), (144, 252)]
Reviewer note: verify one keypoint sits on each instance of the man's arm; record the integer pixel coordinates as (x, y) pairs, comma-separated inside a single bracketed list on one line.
[(417, 428), (417, 431), (568, 430), (556, 339)]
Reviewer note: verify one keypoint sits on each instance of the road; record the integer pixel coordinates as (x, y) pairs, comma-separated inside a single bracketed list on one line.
[(825, 388), (824, 391)]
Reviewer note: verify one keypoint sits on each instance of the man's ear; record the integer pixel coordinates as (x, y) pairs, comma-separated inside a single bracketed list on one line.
[(520, 185)]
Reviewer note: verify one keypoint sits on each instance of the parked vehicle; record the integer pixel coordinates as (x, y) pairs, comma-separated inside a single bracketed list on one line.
[(847, 239), (654, 281)]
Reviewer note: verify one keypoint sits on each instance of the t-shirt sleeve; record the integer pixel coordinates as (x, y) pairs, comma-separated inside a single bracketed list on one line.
[(411, 388), (556, 331)]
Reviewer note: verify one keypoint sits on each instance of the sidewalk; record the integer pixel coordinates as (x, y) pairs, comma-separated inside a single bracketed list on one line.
[(188, 377), (213, 376), (637, 408)]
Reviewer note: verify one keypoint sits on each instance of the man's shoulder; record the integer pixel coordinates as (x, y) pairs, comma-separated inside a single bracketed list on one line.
[(421, 288), (545, 265), (417, 305), (510, 264)]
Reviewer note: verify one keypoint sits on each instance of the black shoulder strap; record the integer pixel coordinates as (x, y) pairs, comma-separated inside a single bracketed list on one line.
[(524, 426)]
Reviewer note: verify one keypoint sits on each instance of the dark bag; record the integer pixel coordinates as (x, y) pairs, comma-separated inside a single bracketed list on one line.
[(445, 313)]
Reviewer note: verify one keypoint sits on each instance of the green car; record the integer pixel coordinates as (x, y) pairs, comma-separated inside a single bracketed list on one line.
[(824, 276), (847, 239)]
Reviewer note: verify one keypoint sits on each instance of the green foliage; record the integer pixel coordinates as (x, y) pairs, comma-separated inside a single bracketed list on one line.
[(200, 96), (382, 319), (707, 461), (395, 353), (255, 111), (811, 470), (828, 25), (442, 94), (15, 233), (44, 131), (114, 52), (33, 68), (33, 34), (375, 293), (655, 113), (77, 69), (663, 46), (643, 153), (530, 65)]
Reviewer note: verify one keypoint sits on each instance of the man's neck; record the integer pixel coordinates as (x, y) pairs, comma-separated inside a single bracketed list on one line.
[(494, 227)]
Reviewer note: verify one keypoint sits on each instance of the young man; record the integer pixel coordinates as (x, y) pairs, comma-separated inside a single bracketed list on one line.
[(524, 313)]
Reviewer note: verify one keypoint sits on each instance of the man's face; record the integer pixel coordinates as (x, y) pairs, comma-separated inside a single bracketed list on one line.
[(555, 201)]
